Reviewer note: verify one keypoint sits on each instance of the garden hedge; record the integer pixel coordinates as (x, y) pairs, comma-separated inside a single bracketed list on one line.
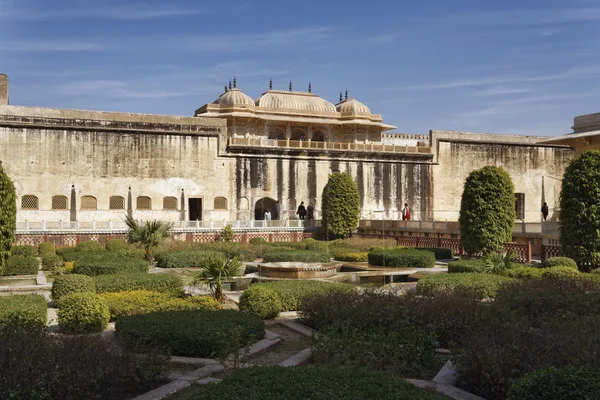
[(352, 256), (559, 261), (17, 265), (482, 285), (126, 282), (118, 245), (401, 257), (51, 262), (440, 253), (94, 264), (560, 273), (25, 310), (291, 292), (182, 258), (297, 255), (190, 333), (144, 301), (311, 382), (524, 272), (23, 251), (466, 266), (83, 313), (72, 283), (46, 248), (260, 300), (567, 383), (89, 245), (257, 241)]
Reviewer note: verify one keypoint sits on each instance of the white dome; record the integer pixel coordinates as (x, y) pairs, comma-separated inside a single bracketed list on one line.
[(234, 96), (287, 100), (352, 106)]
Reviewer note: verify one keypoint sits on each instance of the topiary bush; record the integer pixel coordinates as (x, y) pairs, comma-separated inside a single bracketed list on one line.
[(102, 263), (340, 206), (257, 241), (559, 261), (182, 258), (83, 312), (118, 245), (524, 272), (400, 257), (163, 283), (481, 285), (89, 245), (352, 257), (227, 233), (51, 262), (17, 265), (143, 302), (8, 216), (46, 248), (487, 211), (72, 283), (296, 255), (580, 210), (466, 266), (260, 300), (560, 273), (440, 253), (23, 251), (190, 333), (567, 383), (291, 292), (24, 310)]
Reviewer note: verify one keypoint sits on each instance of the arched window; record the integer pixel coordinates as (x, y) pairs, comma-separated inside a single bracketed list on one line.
[(170, 203), (298, 134), (318, 136), (116, 203), (89, 203), (143, 203), (220, 203), (29, 202), (59, 202), (277, 133)]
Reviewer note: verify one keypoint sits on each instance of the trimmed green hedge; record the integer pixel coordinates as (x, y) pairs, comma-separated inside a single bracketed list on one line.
[(311, 382), (27, 310), (524, 272), (143, 302), (401, 257), (297, 255), (89, 245), (292, 292), (466, 266), (560, 272), (440, 253), (257, 241), (182, 258), (118, 245), (482, 285), (17, 265), (83, 313), (51, 262), (190, 333), (23, 251), (260, 300), (559, 261), (352, 256), (46, 248), (163, 283), (567, 383), (94, 264), (71, 283)]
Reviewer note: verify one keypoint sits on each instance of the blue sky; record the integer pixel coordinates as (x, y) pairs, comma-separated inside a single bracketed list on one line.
[(522, 67)]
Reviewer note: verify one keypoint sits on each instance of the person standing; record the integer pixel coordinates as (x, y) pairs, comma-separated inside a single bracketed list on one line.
[(267, 215), (301, 212), (310, 211), (545, 211), (406, 212), (277, 213)]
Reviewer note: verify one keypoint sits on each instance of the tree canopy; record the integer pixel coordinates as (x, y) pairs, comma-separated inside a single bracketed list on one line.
[(8, 216), (340, 205)]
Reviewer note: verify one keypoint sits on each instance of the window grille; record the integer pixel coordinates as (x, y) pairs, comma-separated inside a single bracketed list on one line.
[(220, 203), (29, 202), (59, 202), (116, 203), (143, 203), (89, 203), (520, 205), (170, 203)]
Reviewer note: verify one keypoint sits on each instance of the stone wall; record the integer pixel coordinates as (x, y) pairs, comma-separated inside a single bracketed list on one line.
[(3, 89)]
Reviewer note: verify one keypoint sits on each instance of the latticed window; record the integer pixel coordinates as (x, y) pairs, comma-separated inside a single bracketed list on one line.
[(220, 203), (143, 203), (170, 203), (59, 202), (89, 203), (116, 203), (29, 202)]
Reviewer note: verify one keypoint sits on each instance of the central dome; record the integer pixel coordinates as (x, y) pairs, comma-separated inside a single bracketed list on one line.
[(234, 96), (352, 106), (301, 101)]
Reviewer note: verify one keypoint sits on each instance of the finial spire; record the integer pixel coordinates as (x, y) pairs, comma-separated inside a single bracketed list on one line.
[(309, 87), (234, 82), (341, 96), (230, 84), (290, 86), (346, 94), (225, 87), (270, 84)]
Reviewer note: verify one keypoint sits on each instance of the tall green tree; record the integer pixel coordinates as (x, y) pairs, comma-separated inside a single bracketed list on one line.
[(8, 216), (340, 206), (487, 211), (149, 234), (580, 210)]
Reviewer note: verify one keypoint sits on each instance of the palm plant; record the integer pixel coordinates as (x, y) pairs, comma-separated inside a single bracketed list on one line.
[(148, 234), (216, 270), (499, 263)]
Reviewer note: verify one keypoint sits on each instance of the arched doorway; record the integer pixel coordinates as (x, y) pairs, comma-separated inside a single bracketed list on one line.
[(318, 136), (262, 205)]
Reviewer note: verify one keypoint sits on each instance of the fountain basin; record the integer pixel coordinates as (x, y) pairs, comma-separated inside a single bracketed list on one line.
[(296, 270)]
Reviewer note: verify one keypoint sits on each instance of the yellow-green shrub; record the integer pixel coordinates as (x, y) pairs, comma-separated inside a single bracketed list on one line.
[(83, 313)]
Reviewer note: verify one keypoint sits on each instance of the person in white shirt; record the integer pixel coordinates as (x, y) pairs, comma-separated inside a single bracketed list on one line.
[(267, 215)]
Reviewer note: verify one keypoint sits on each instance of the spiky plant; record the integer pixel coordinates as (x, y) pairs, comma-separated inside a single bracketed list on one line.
[(499, 263), (216, 270), (149, 234), (8, 216)]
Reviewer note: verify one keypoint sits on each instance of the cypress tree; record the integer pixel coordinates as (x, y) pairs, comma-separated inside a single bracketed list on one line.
[(340, 206), (8, 216)]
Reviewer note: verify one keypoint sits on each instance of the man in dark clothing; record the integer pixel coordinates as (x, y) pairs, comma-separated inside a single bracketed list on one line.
[(545, 211), (301, 212), (277, 210), (310, 211)]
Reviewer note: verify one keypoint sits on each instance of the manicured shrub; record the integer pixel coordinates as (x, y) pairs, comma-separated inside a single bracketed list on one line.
[(46, 248), (182, 258), (440, 252), (296, 255), (292, 292), (69, 265), (487, 210), (72, 283), (8, 216), (94, 264), (559, 261), (340, 206), (190, 333), (83, 313), (68, 253), (315, 245), (580, 210), (524, 272), (352, 257), (311, 382), (466, 266), (163, 283), (257, 241), (51, 262), (143, 302), (560, 273), (24, 310), (361, 244), (568, 383), (17, 265), (260, 300), (89, 245), (227, 233), (23, 251), (482, 285), (399, 257), (118, 245)]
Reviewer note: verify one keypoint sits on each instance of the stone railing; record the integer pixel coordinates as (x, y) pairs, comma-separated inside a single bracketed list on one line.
[(312, 145)]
